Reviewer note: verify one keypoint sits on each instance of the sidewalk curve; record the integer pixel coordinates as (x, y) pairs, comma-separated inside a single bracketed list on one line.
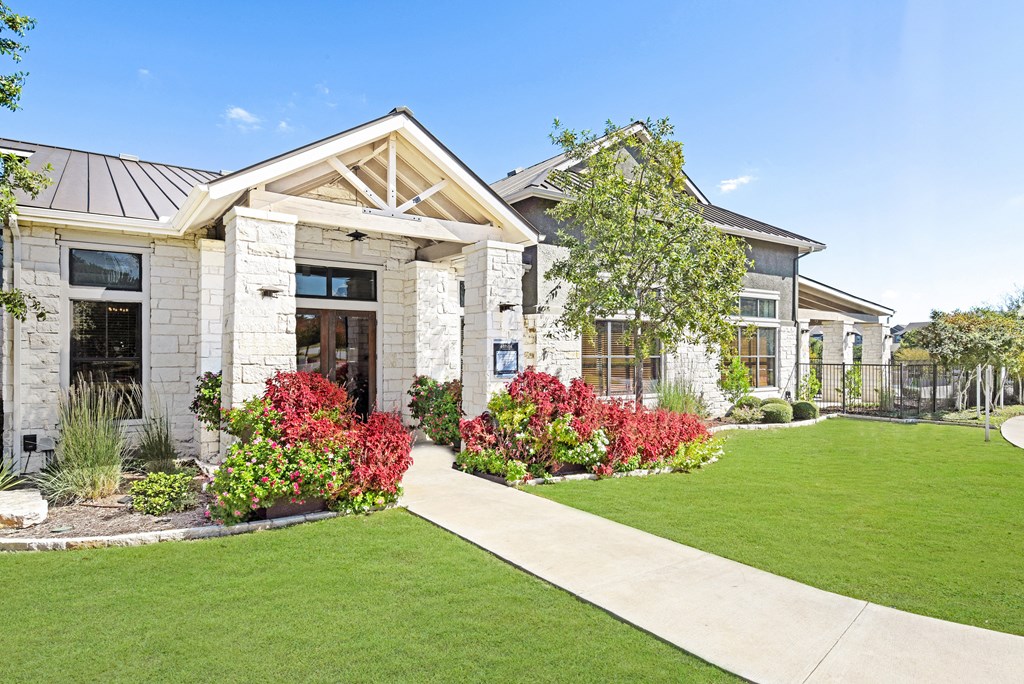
[(1013, 431), (759, 626)]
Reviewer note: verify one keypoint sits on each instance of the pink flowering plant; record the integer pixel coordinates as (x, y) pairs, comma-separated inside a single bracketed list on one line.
[(300, 441)]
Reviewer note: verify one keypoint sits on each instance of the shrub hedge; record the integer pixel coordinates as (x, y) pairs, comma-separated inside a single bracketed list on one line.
[(302, 440), (774, 400), (776, 413), (749, 401), (805, 410), (161, 493), (537, 425)]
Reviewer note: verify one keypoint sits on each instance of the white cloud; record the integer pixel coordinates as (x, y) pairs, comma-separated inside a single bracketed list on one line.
[(322, 88), (284, 127), (143, 73), (242, 119), (731, 184)]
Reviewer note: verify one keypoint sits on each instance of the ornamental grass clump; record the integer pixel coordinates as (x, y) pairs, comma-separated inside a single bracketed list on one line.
[(538, 426), (300, 441), (156, 448), (92, 448)]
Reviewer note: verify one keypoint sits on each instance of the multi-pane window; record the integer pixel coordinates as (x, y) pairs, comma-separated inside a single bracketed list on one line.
[(336, 283), (756, 349), (756, 307), (608, 361)]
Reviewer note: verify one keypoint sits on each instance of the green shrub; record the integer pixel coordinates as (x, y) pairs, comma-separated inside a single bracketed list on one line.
[(206, 403), (735, 380), (438, 408), (92, 448), (777, 413), (749, 401), (854, 382), (810, 386), (805, 410), (161, 493), (698, 452), (774, 400), (156, 447), (681, 396), (747, 414)]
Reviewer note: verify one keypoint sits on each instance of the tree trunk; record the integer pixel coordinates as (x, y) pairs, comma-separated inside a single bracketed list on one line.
[(638, 369)]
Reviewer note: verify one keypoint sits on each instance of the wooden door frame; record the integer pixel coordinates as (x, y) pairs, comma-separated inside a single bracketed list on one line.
[(328, 342)]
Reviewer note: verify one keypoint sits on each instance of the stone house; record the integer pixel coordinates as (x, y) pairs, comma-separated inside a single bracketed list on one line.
[(369, 256)]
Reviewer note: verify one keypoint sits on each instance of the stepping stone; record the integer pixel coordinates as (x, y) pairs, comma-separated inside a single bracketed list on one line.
[(22, 508)]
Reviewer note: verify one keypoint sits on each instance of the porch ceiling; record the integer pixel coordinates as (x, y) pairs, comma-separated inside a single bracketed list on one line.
[(824, 302)]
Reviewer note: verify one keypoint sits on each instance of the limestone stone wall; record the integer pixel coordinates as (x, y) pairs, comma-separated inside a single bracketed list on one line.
[(174, 267), (259, 330), (31, 393), (696, 365), (211, 329), (493, 273), (433, 321), (548, 346)]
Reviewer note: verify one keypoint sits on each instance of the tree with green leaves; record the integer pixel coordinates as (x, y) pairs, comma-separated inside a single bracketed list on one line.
[(972, 339), (637, 244), (15, 174)]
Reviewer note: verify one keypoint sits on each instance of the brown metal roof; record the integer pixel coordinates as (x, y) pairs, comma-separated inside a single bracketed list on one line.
[(106, 184)]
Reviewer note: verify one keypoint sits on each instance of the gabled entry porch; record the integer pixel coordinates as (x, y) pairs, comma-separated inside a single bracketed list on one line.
[(369, 257)]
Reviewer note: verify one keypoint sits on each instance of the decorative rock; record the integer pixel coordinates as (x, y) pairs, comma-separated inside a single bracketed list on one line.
[(22, 508)]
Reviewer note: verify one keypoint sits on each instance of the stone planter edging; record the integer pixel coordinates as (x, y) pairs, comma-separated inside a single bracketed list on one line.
[(584, 476), (143, 538)]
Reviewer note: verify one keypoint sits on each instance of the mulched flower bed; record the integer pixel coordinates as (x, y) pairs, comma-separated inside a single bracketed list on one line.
[(106, 517)]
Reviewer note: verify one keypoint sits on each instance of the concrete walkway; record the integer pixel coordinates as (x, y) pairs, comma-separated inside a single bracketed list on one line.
[(1013, 431), (760, 626)]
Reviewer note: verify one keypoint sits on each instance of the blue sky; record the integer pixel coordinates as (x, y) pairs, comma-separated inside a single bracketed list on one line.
[(891, 131)]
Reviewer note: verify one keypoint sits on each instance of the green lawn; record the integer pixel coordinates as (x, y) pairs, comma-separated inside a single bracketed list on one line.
[(382, 598), (925, 518)]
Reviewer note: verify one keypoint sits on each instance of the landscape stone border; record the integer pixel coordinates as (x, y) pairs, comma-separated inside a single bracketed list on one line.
[(143, 538)]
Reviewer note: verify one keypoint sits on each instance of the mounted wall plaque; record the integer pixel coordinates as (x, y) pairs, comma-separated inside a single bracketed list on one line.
[(506, 359)]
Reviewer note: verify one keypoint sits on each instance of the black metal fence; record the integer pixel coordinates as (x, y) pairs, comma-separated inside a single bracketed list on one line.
[(895, 390)]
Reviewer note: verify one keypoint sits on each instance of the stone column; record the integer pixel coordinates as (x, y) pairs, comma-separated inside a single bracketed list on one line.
[(837, 348), (804, 328), (259, 301), (494, 280), (876, 351), (877, 343), (432, 321), (209, 351), (548, 346)]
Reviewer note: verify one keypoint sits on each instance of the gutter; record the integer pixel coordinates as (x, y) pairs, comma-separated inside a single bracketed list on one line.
[(796, 316)]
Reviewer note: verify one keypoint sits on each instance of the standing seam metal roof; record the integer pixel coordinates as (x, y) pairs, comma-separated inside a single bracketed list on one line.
[(108, 185)]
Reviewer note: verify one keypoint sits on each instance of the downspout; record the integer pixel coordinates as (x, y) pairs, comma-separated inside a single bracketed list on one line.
[(796, 318), (16, 347)]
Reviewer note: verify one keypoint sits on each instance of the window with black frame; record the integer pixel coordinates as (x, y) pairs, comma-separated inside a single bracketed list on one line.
[(323, 282), (106, 336)]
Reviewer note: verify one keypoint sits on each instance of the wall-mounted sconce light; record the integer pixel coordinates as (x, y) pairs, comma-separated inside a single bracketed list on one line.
[(506, 307), (268, 291), (357, 235), (789, 396), (804, 331)]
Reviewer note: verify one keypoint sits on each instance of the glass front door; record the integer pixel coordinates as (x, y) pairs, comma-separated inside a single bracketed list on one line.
[(341, 346)]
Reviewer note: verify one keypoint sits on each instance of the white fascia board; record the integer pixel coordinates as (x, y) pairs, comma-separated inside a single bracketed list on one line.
[(297, 162), (79, 219), (531, 191), (853, 300)]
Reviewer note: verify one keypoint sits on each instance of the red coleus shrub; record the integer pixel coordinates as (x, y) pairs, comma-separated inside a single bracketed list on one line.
[(478, 433), (651, 435), (380, 454), (309, 408)]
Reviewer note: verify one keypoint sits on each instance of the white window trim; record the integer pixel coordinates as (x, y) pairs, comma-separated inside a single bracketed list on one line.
[(69, 293)]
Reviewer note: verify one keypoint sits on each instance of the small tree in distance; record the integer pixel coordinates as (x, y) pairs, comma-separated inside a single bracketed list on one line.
[(638, 246)]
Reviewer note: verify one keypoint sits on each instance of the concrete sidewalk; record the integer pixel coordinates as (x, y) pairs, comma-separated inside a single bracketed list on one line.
[(1013, 431), (757, 625)]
